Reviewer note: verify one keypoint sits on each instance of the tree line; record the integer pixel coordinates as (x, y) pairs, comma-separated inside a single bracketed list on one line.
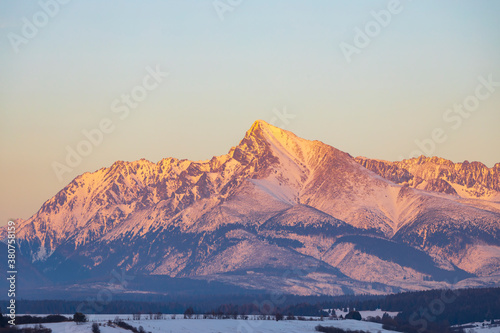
[(447, 307)]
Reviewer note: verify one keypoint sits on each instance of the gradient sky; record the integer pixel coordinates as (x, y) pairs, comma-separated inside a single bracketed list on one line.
[(224, 74)]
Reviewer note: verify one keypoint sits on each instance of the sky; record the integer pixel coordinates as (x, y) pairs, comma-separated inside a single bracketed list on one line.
[(124, 80)]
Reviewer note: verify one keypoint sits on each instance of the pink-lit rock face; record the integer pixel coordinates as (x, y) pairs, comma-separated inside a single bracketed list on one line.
[(276, 212), (468, 180)]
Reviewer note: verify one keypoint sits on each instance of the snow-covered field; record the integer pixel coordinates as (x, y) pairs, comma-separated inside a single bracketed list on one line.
[(211, 325), (180, 325)]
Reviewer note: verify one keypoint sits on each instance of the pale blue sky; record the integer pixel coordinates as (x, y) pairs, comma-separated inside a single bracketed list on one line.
[(224, 74)]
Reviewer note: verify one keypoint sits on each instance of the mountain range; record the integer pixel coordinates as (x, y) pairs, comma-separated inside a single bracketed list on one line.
[(276, 213)]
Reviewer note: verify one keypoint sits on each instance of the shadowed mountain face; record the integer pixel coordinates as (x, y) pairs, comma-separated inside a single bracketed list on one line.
[(276, 213)]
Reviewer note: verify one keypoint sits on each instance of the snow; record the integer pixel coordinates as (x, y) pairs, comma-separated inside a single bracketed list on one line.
[(253, 325), (212, 325), (367, 313), (479, 258), (366, 267), (475, 192), (479, 328), (284, 194)]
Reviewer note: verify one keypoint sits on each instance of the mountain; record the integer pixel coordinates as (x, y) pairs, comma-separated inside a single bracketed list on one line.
[(277, 212)]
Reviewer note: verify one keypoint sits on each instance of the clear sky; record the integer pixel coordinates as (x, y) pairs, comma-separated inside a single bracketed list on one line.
[(230, 62)]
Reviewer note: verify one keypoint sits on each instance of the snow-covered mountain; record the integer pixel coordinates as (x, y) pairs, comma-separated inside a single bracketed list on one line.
[(277, 212)]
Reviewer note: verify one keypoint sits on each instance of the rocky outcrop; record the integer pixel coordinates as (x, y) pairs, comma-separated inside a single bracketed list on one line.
[(438, 174)]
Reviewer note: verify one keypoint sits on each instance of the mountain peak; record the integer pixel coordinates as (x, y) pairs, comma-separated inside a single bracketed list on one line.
[(260, 128), (259, 122), (264, 137)]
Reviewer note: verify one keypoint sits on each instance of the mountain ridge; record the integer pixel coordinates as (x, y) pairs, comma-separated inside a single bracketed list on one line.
[(273, 200)]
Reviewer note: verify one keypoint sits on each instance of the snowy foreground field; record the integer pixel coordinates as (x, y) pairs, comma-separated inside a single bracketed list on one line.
[(181, 325), (211, 325)]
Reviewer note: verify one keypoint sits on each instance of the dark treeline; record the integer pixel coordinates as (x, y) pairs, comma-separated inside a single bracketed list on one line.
[(38, 329), (303, 305), (27, 319), (434, 307), (41, 320), (457, 307), (5, 326), (476, 302), (327, 329), (433, 310)]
